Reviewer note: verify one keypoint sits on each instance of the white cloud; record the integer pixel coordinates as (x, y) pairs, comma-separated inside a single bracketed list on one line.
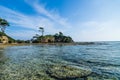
[(17, 18), (53, 22), (32, 22), (53, 15)]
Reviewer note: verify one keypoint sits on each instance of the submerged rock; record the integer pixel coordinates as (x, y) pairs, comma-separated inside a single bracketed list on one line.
[(101, 78), (67, 72)]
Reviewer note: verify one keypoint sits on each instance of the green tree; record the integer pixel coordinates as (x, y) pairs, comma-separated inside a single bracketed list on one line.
[(3, 24), (61, 34), (56, 36), (41, 29), (36, 36), (62, 38)]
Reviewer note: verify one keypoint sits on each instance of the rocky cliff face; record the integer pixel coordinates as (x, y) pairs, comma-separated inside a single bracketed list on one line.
[(4, 39), (48, 39)]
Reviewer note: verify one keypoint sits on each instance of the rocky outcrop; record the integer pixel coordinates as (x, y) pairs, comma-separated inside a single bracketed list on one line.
[(67, 72), (4, 39), (47, 39), (57, 38)]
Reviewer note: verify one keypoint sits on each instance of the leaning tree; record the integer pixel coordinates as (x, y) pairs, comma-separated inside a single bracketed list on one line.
[(41, 29), (3, 24)]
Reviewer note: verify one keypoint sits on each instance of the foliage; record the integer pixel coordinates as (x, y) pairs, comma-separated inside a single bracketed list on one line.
[(23, 41), (41, 29), (3, 24), (20, 41), (57, 38), (11, 40), (61, 38)]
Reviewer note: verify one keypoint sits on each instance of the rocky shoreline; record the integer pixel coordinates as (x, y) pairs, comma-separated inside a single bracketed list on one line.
[(23, 44)]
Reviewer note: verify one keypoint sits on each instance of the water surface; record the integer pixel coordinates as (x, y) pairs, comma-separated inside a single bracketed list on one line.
[(29, 62)]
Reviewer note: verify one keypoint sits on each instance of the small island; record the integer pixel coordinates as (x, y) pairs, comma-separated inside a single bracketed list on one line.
[(56, 38)]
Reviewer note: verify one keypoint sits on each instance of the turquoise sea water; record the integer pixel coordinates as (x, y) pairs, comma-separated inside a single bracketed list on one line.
[(32, 62)]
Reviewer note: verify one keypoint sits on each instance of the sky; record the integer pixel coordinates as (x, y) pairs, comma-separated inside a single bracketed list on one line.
[(83, 20)]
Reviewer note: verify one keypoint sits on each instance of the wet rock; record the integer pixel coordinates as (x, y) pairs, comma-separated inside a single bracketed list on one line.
[(67, 72)]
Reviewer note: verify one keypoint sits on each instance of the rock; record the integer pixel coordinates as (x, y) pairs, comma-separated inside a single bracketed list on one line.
[(101, 78), (67, 72)]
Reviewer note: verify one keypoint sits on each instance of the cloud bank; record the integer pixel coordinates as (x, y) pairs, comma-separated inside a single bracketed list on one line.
[(52, 22), (24, 26)]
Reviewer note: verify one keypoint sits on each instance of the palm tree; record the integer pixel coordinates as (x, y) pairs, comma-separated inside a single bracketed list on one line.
[(3, 24), (41, 29)]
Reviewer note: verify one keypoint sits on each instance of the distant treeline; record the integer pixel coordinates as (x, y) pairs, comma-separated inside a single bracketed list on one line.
[(56, 38)]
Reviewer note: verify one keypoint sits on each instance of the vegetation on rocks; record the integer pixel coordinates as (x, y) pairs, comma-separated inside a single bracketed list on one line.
[(60, 37), (57, 38), (11, 40)]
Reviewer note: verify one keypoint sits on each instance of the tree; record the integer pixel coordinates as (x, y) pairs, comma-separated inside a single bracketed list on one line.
[(36, 36), (56, 36), (3, 24), (61, 34), (62, 38), (41, 29)]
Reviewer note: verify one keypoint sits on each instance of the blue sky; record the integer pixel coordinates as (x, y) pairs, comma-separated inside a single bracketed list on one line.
[(83, 20)]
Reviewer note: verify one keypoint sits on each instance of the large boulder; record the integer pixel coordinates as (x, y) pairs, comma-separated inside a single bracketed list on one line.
[(4, 39), (67, 72)]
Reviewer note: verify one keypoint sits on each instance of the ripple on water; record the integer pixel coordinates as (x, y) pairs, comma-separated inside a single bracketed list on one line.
[(50, 62)]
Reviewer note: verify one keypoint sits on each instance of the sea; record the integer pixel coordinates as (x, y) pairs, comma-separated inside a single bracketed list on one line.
[(31, 62)]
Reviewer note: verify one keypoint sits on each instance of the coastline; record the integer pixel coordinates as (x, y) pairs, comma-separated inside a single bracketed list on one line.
[(7, 45), (62, 44)]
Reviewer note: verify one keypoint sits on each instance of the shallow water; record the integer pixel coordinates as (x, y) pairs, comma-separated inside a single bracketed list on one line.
[(29, 62)]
